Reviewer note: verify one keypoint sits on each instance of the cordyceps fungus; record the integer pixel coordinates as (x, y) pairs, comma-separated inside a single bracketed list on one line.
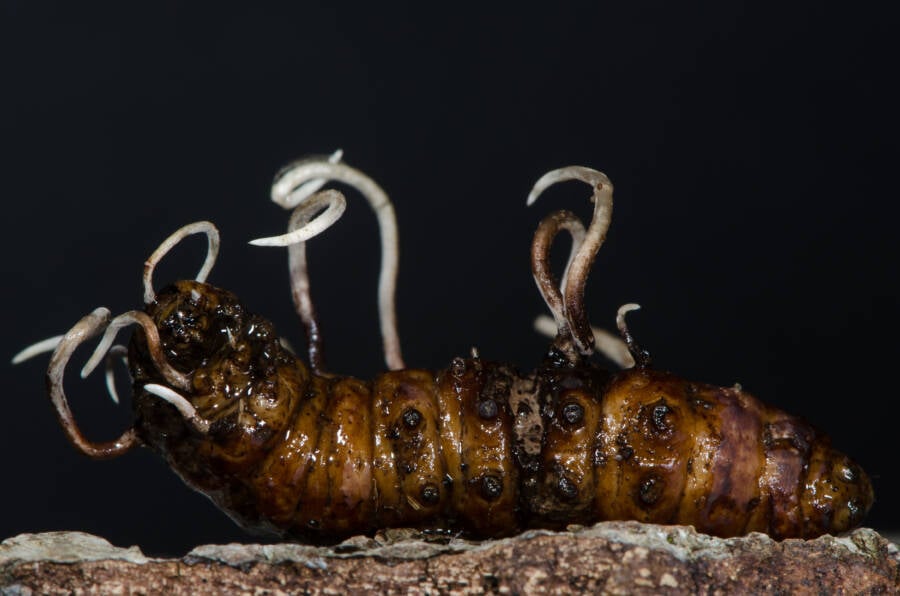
[(480, 448)]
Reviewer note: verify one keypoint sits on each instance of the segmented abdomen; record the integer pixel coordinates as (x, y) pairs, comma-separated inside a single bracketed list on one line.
[(478, 448)]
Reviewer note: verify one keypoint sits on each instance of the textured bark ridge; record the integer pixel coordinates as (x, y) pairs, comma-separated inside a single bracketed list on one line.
[(611, 557)]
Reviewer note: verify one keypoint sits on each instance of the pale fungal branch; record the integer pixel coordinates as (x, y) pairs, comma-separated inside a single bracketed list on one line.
[(38, 348), (641, 356), (301, 192), (50, 344), (610, 346), (298, 269), (304, 224), (86, 328), (121, 352), (199, 227), (546, 282), (579, 268), (288, 190), (181, 404), (334, 205), (154, 347)]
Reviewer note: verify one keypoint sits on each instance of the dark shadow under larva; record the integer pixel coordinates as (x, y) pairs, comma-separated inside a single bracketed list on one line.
[(478, 448)]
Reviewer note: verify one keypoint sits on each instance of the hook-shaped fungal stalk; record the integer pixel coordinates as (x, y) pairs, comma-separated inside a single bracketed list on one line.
[(611, 346), (181, 403), (546, 282), (640, 355), (573, 292), (288, 191), (199, 227), (86, 328), (50, 344), (154, 347), (303, 225), (306, 189)]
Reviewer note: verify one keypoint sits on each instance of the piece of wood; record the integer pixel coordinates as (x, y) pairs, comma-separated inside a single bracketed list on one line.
[(611, 557)]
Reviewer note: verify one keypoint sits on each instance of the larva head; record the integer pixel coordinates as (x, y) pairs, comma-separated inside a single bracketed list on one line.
[(243, 385)]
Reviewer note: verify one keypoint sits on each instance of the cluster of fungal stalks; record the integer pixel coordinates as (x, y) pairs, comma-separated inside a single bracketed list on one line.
[(480, 447)]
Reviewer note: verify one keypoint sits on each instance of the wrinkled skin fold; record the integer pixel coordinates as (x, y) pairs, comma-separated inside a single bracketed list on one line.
[(479, 448)]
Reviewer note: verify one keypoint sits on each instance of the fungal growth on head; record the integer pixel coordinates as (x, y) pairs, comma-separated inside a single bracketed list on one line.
[(100, 321)]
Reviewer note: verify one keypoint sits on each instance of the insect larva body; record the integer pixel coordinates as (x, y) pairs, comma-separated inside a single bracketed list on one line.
[(477, 448)]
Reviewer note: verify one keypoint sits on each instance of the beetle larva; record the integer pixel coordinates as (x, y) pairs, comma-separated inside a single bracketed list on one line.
[(478, 448)]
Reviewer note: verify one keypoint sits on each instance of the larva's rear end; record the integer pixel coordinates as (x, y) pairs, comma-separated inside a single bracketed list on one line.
[(673, 451)]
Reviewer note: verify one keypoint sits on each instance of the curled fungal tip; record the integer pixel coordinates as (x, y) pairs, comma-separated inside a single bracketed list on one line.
[(623, 310), (590, 176), (36, 349), (181, 404), (198, 227), (289, 189), (334, 203)]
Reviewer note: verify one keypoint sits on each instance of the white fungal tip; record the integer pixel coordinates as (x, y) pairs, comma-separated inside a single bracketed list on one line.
[(589, 176), (334, 205), (626, 308), (36, 349), (620, 315), (174, 398), (545, 326)]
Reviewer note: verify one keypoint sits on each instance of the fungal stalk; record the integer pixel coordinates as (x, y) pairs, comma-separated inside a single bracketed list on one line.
[(582, 260), (87, 327), (199, 227), (293, 186)]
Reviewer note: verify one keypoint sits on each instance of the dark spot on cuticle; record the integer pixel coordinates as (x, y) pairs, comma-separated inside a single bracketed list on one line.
[(411, 417), (650, 490), (624, 454), (659, 417), (573, 413), (491, 487), (487, 409), (431, 494), (566, 488)]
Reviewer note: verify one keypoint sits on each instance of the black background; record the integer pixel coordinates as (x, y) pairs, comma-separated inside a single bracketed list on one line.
[(750, 149)]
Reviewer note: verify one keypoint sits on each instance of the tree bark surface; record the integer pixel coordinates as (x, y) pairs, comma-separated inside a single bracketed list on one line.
[(610, 557)]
